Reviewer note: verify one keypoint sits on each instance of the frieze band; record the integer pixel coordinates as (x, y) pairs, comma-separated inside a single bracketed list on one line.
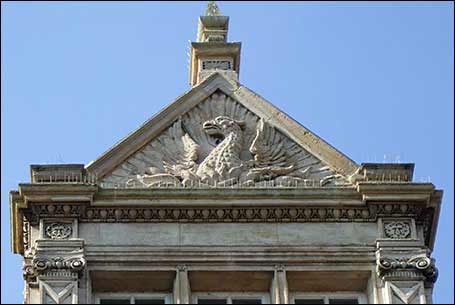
[(230, 214), (368, 213)]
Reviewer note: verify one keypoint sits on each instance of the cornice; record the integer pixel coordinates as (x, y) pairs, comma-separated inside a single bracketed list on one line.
[(395, 191), (57, 192), (90, 203)]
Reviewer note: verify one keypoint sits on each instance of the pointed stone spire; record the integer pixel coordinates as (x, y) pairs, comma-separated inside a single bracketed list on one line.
[(212, 52), (212, 9)]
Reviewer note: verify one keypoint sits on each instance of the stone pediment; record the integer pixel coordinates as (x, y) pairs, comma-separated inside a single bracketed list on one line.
[(219, 133)]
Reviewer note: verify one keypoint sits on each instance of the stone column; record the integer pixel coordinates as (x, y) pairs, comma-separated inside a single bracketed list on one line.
[(182, 289), (406, 272), (279, 292), (56, 264)]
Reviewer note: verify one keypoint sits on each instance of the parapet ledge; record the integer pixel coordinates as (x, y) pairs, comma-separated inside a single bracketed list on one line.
[(56, 192), (386, 172), (40, 173), (373, 191)]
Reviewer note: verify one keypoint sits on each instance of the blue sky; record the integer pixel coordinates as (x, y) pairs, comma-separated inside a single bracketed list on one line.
[(373, 79)]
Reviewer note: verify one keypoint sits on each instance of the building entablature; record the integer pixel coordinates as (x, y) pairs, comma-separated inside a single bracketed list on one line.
[(88, 202)]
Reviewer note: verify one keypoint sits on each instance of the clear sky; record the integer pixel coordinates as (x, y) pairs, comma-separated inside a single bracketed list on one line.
[(373, 79)]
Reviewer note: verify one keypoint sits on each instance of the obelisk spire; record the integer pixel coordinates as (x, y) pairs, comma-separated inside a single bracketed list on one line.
[(211, 52), (212, 9), (213, 26)]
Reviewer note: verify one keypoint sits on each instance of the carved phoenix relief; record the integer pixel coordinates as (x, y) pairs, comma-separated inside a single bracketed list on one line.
[(223, 165), (221, 143)]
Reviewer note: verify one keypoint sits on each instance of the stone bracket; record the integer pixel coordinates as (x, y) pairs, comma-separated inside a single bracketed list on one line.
[(399, 261), (61, 258)]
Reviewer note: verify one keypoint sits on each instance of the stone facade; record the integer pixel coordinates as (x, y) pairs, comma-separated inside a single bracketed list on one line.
[(221, 196)]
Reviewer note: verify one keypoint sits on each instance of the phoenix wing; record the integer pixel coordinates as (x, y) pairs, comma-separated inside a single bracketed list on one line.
[(181, 151), (270, 158)]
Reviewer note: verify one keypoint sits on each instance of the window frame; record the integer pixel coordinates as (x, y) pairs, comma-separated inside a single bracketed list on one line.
[(360, 296), (228, 296), (132, 296)]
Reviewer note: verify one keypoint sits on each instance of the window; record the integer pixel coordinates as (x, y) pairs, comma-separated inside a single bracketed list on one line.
[(328, 298), (137, 298), (230, 298)]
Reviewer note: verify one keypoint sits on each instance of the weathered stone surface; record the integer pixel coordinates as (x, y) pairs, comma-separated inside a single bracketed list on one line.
[(326, 234), (221, 192), (241, 234), (130, 234)]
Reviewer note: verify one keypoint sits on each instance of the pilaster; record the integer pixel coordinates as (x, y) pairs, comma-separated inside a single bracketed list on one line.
[(55, 264), (279, 292), (182, 289), (406, 272)]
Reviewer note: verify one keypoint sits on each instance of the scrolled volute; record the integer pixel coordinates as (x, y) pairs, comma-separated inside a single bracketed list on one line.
[(42, 263), (422, 264), (72, 264), (76, 264), (431, 272), (28, 271)]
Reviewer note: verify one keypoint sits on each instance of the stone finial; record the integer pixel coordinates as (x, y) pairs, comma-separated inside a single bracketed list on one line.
[(212, 9)]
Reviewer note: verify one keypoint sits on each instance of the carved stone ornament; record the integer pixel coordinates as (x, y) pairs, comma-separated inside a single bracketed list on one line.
[(212, 9), (216, 64), (397, 230), (75, 264), (220, 143), (237, 214), (406, 294), (421, 264), (59, 230), (28, 271), (41, 265)]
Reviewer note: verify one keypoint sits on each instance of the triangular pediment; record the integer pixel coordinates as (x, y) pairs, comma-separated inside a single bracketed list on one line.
[(251, 142)]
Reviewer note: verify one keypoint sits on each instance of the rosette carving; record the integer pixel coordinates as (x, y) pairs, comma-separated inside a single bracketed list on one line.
[(59, 230), (397, 230)]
